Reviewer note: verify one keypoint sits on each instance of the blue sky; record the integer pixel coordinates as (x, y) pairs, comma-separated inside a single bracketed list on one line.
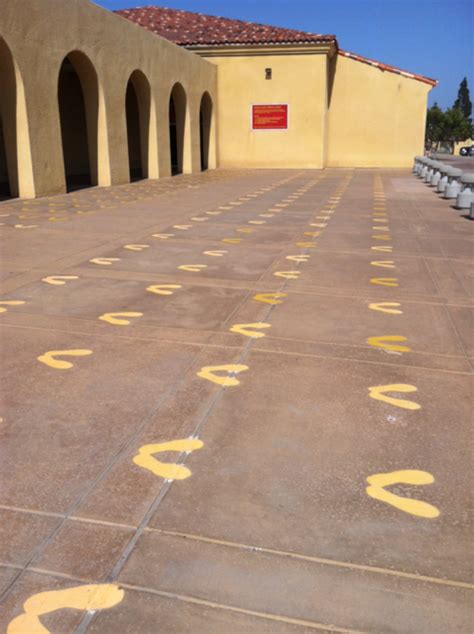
[(429, 37)]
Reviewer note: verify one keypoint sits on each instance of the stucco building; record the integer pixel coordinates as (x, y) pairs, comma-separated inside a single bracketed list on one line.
[(92, 97)]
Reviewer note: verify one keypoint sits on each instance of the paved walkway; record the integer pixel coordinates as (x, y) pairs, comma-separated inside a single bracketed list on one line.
[(466, 163), (237, 402)]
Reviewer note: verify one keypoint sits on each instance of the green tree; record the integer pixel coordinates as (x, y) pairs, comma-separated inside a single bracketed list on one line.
[(446, 128), (434, 126), (463, 101), (455, 126)]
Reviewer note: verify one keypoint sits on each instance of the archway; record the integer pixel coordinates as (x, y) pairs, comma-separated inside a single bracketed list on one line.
[(8, 125), (177, 121), (137, 109), (78, 103), (5, 191), (205, 122)]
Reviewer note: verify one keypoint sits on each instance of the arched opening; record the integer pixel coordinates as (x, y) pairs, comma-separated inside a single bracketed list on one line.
[(137, 109), (8, 125), (5, 191), (78, 112), (177, 120), (205, 122)]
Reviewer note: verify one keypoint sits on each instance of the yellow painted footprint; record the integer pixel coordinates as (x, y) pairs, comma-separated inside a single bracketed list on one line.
[(377, 490), (85, 598), (232, 240), (194, 268), (246, 329), (169, 471), (218, 253), (379, 393), (306, 245), (136, 247), (49, 358), (59, 280), (163, 289), (288, 275), (384, 249), (270, 298), (10, 302), (298, 258), (384, 281), (386, 264), (104, 261), (162, 236), (387, 307), (209, 372), (384, 342), (117, 319)]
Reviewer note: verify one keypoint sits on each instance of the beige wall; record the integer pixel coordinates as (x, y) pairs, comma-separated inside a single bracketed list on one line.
[(460, 144), (39, 34), (300, 81), (376, 118)]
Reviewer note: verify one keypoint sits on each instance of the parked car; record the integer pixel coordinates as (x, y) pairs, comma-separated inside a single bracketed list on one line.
[(467, 150)]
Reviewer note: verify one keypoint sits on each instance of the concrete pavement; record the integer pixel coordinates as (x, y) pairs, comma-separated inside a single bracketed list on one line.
[(237, 402), (466, 163)]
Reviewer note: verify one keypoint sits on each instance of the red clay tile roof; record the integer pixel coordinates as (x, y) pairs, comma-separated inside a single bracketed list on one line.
[(193, 29), (387, 67), (187, 28)]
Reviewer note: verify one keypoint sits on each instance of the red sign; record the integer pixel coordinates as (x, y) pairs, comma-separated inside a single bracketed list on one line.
[(270, 117)]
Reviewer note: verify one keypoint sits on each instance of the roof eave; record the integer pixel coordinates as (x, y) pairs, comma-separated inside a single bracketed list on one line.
[(386, 67), (235, 49)]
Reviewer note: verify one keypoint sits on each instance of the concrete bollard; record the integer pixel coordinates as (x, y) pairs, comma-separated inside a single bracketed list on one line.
[(436, 174), (453, 186), (429, 171), (420, 165), (471, 213), (444, 179), (466, 195), (424, 168), (416, 161)]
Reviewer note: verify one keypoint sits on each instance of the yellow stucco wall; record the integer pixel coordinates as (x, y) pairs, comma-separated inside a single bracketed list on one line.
[(35, 37), (376, 118), (460, 144), (300, 81)]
